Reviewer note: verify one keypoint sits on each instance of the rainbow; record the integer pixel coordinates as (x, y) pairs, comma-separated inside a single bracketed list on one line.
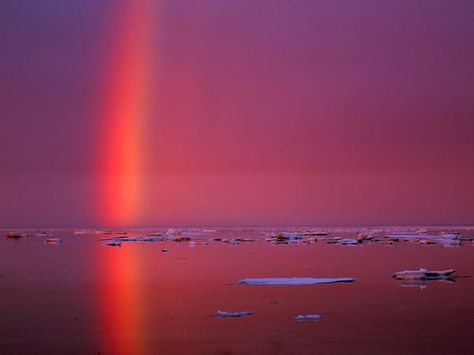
[(125, 110)]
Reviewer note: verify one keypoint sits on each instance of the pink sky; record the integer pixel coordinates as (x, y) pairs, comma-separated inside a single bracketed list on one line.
[(259, 112)]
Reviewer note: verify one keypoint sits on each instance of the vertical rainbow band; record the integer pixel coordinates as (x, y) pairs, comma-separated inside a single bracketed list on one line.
[(126, 108)]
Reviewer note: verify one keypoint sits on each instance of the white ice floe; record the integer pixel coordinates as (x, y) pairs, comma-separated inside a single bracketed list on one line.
[(302, 317), (224, 314), (423, 274), (293, 281), (448, 242)]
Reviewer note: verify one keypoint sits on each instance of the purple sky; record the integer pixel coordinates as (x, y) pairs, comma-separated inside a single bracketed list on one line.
[(262, 112)]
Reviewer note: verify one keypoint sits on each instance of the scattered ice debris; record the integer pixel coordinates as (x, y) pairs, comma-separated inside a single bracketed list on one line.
[(412, 283), (42, 234), (223, 314), (284, 237), (117, 241), (446, 239), (315, 233), (426, 241), (170, 233), (111, 232), (190, 234), (311, 317), (113, 244), (180, 239), (82, 231), (449, 242), (423, 274), (54, 241), (230, 241), (155, 235), (244, 240), (293, 281), (450, 235), (13, 236), (348, 241), (127, 239), (334, 240), (274, 302), (364, 237)]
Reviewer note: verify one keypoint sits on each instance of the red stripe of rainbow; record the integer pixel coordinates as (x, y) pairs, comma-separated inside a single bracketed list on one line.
[(126, 107)]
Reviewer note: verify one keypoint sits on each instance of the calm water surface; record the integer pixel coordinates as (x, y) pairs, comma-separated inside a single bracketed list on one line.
[(81, 297)]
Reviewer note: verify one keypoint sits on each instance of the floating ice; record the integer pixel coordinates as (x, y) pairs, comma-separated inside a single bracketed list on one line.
[(285, 236), (13, 236), (191, 234), (132, 239), (223, 314), (293, 281), (54, 241), (448, 242), (348, 241), (423, 274), (113, 244), (307, 317)]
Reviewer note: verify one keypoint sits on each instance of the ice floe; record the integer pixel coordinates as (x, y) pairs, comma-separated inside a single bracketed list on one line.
[(54, 241), (305, 317), (113, 244), (13, 236), (223, 314), (423, 274), (294, 281)]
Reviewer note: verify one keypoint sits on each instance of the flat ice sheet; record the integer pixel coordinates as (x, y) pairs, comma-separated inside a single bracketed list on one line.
[(294, 281), (423, 274)]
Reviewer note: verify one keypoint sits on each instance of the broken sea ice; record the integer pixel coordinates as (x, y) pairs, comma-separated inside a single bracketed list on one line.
[(310, 317), (423, 274), (293, 281), (223, 314), (54, 241)]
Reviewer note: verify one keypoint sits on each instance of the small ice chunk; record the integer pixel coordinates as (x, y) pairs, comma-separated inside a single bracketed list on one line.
[(294, 281), (421, 284), (127, 239), (285, 236), (13, 236), (223, 314), (191, 234), (302, 317), (113, 244), (446, 242), (54, 241), (423, 274), (348, 241), (451, 235)]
